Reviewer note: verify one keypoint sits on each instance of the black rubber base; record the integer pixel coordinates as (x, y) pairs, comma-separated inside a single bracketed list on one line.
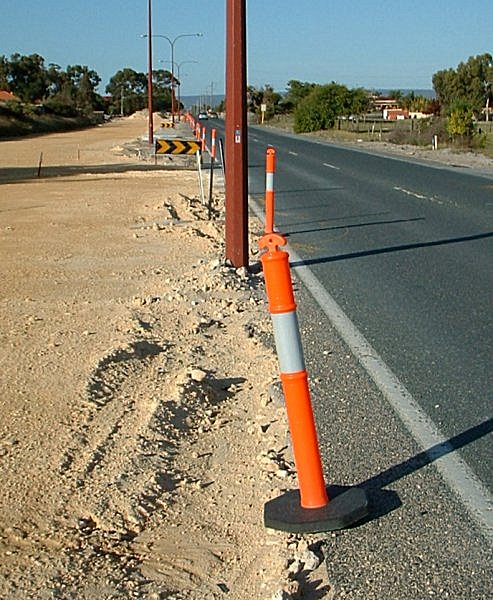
[(285, 513)]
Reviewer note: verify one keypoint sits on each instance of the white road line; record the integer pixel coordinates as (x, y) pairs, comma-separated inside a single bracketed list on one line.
[(410, 193), (331, 166), (293, 153), (455, 471), (429, 198)]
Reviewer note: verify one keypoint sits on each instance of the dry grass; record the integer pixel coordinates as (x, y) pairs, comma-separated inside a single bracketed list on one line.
[(374, 131)]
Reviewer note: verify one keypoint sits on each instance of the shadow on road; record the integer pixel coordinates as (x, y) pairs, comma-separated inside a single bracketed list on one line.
[(383, 501), (288, 233), (388, 250)]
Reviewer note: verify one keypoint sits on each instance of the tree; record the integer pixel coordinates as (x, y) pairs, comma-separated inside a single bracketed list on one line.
[(471, 82), (397, 95), (128, 89), (84, 82), (69, 92), (320, 108), (132, 87), (415, 103), (161, 85), (357, 102), (265, 95), (297, 90), (4, 73), (460, 124), (27, 77)]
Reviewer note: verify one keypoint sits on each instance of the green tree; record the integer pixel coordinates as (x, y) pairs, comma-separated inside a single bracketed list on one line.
[(357, 102), (320, 108), (471, 82), (61, 96), (128, 89), (415, 103), (161, 89), (460, 124), (27, 77), (4, 73), (398, 95), (264, 95), (132, 87), (296, 91), (84, 82)]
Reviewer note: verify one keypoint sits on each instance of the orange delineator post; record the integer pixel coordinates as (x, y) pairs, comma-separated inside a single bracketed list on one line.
[(308, 510), (270, 169), (213, 144), (203, 139), (294, 378)]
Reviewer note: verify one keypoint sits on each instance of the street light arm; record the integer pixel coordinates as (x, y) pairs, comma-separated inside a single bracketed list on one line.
[(187, 35), (172, 44), (172, 41)]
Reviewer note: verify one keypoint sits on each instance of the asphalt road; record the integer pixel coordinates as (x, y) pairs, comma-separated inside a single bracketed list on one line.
[(396, 261)]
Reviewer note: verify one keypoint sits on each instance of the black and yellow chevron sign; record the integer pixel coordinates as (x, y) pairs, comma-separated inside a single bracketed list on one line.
[(166, 124), (177, 147)]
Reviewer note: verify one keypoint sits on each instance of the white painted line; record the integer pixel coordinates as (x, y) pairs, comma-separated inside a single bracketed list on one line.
[(293, 153), (455, 471), (410, 193), (331, 166)]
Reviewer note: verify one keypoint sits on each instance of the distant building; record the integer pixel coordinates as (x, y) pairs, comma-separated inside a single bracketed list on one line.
[(419, 115), (6, 96), (382, 103), (395, 114)]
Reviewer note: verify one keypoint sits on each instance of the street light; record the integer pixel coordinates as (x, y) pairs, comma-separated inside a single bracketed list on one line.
[(178, 67), (149, 74), (172, 44)]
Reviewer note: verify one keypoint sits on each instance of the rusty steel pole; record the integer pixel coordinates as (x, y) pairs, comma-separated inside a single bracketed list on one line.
[(236, 135), (149, 73)]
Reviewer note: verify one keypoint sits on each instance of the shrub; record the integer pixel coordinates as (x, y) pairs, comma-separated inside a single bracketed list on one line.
[(419, 132), (57, 107), (320, 108), (14, 108)]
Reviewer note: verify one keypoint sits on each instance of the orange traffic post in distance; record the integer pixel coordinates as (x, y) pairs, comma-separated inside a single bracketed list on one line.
[(203, 139), (270, 169), (213, 144), (307, 509)]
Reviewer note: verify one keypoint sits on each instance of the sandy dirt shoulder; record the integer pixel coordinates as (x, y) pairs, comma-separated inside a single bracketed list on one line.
[(138, 441)]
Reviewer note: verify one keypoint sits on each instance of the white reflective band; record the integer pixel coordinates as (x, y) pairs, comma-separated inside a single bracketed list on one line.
[(269, 182), (288, 342)]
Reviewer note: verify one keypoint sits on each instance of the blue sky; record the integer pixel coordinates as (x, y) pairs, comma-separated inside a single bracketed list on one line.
[(387, 44)]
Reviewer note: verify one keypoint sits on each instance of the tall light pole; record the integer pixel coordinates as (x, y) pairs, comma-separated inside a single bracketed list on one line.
[(149, 74), (172, 44), (178, 68)]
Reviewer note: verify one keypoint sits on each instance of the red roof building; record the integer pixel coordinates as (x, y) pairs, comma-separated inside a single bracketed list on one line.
[(8, 96)]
